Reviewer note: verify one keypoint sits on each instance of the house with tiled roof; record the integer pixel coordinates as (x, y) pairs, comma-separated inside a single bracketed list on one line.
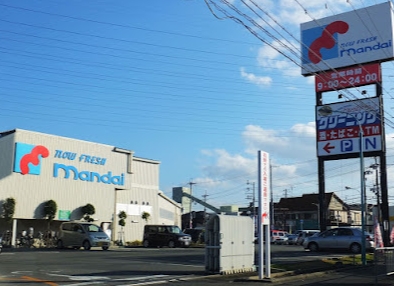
[(303, 212)]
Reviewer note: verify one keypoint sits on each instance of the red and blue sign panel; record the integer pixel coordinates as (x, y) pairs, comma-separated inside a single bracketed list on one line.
[(357, 37), (348, 77), (339, 132)]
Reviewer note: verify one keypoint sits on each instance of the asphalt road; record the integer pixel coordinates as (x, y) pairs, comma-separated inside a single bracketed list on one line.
[(123, 266)]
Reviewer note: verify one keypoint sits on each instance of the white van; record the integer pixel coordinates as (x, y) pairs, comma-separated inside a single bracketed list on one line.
[(82, 234), (278, 236)]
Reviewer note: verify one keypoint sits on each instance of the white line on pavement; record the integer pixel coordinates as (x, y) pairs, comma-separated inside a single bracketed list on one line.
[(142, 277), (83, 283), (147, 283)]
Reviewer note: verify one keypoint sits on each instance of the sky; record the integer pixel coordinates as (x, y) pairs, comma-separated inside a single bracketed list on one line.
[(181, 82)]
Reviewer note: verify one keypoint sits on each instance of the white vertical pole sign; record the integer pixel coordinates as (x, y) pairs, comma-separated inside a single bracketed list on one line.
[(264, 214)]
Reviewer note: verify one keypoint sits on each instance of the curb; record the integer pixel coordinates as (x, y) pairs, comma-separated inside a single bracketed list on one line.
[(282, 277), (291, 275)]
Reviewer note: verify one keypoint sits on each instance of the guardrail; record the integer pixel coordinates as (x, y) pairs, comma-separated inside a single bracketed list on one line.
[(384, 262)]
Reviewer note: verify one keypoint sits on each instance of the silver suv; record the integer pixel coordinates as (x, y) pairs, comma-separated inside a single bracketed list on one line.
[(82, 234)]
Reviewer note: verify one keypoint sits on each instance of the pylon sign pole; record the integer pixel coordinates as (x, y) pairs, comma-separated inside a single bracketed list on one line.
[(264, 214)]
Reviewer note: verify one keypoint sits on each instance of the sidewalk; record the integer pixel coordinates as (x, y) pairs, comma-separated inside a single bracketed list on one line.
[(360, 276)]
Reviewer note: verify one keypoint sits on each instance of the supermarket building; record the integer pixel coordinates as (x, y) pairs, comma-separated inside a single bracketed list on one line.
[(37, 167)]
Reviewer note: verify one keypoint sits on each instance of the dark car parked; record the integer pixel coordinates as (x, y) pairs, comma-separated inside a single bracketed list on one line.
[(165, 235)]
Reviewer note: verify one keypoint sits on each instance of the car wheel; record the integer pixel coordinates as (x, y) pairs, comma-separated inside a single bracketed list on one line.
[(86, 245), (171, 244), (355, 248), (105, 247), (313, 247), (59, 244), (145, 243)]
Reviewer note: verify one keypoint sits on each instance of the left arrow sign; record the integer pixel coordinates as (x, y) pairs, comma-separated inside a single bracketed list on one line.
[(328, 147)]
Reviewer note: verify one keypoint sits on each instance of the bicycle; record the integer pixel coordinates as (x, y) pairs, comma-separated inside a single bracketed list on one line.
[(25, 240)]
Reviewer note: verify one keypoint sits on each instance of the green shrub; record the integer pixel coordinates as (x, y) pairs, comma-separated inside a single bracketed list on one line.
[(134, 243)]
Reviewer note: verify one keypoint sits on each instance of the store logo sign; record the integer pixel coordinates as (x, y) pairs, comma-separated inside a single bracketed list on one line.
[(321, 43), (28, 158), (70, 172), (28, 161)]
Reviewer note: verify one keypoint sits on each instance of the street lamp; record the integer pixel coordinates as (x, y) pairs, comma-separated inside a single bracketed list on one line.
[(338, 218), (375, 189), (318, 215), (327, 111)]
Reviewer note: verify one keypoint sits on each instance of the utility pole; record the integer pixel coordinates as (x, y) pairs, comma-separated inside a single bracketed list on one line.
[(190, 206), (205, 208), (253, 199), (318, 214), (376, 188)]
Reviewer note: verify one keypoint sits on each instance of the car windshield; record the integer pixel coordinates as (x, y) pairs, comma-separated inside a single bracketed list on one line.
[(174, 229), (92, 228)]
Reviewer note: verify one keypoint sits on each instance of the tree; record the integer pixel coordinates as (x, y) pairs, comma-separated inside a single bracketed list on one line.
[(88, 210), (122, 216), (122, 222), (145, 216), (9, 209), (50, 209)]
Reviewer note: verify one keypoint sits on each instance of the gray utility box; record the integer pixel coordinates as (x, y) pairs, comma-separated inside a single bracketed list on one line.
[(229, 244)]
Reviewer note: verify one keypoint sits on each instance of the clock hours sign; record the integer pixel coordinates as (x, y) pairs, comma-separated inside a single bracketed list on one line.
[(348, 77)]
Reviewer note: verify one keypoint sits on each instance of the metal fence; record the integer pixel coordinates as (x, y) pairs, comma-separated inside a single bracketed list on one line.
[(384, 262)]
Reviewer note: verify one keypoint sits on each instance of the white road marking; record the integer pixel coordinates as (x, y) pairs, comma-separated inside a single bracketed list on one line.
[(172, 279), (141, 277), (179, 264), (146, 283), (83, 283), (80, 278)]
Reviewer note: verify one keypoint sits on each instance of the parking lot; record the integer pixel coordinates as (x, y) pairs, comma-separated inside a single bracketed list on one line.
[(121, 266)]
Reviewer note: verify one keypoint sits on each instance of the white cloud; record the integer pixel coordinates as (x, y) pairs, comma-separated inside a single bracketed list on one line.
[(225, 165), (294, 143), (291, 151), (270, 57), (292, 13), (259, 80)]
